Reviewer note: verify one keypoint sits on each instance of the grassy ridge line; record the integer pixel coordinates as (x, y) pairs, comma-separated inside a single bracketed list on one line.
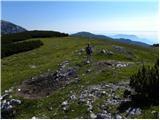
[(16, 68), (55, 50)]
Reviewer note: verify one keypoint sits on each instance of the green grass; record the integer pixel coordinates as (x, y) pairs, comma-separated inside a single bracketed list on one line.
[(15, 69)]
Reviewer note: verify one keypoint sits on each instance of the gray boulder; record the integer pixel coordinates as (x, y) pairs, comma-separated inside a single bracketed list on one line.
[(103, 116)]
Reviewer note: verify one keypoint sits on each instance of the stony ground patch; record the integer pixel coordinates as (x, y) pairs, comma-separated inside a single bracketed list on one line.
[(45, 84)]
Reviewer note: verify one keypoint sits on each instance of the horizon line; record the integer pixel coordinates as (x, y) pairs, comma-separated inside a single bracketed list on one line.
[(79, 1)]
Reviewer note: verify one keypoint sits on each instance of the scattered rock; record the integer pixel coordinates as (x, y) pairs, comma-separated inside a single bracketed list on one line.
[(121, 65), (153, 112), (117, 116), (119, 49), (44, 84), (110, 64), (5, 96), (87, 62), (113, 101), (129, 55), (8, 105), (82, 50), (82, 100), (34, 117), (104, 116), (10, 90), (50, 108), (93, 92), (103, 92), (15, 102), (65, 103), (89, 106), (79, 53), (18, 90), (92, 115), (83, 74), (106, 52), (133, 111), (72, 110), (6, 91), (32, 66), (88, 71), (65, 106), (73, 97), (103, 51)]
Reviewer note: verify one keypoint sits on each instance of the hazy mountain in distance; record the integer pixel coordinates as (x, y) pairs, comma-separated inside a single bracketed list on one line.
[(9, 28), (133, 37), (129, 39)]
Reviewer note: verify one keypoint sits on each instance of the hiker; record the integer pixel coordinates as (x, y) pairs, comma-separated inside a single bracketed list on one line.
[(89, 53)]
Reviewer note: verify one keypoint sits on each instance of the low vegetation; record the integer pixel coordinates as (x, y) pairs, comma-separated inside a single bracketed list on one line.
[(155, 45), (18, 42), (146, 83), (106, 69), (10, 38), (10, 49)]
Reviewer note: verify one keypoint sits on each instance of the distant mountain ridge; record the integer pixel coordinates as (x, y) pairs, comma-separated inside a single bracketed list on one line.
[(9, 28), (90, 35), (129, 39), (123, 40)]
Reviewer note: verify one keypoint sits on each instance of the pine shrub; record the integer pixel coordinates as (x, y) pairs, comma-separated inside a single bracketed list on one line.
[(146, 82)]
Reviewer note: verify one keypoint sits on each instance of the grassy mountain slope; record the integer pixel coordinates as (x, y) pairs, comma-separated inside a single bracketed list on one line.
[(17, 68)]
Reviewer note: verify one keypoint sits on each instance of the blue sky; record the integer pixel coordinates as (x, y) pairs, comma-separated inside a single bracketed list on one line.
[(140, 18)]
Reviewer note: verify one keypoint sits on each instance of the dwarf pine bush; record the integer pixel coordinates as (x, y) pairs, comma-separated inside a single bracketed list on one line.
[(146, 82)]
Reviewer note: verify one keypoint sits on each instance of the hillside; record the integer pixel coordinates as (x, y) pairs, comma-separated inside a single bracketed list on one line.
[(129, 39), (9, 28), (19, 42), (53, 81)]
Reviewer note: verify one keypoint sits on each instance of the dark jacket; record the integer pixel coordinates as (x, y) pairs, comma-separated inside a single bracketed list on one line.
[(89, 50)]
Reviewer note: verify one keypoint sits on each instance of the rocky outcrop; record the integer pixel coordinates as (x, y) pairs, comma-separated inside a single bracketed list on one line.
[(8, 105), (89, 96), (45, 84), (106, 52)]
